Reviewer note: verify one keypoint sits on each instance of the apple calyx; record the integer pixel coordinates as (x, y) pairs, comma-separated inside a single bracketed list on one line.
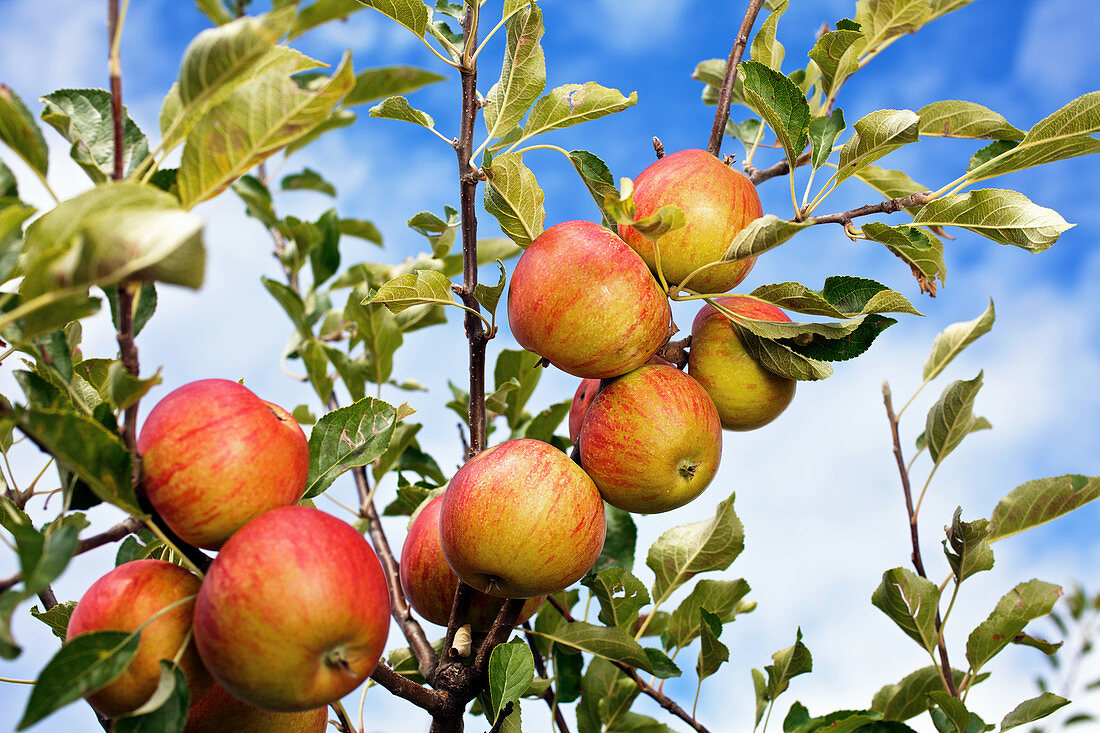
[(337, 658), (687, 470)]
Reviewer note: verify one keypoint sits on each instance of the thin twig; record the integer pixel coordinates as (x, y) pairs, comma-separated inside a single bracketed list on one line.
[(782, 168), (505, 711), (722, 115), (114, 534), (547, 694), (884, 207), (403, 687), (918, 563)]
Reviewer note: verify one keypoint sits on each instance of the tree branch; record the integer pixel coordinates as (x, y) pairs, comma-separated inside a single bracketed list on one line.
[(548, 694), (885, 207), (722, 115), (403, 687), (782, 168), (918, 563)]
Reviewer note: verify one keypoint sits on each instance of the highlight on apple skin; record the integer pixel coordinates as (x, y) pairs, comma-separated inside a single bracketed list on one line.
[(586, 302), (717, 201), (651, 440), (430, 584), (214, 456), (220, 712), (294, 611), (521, 520), (124, 599), (747, 395)]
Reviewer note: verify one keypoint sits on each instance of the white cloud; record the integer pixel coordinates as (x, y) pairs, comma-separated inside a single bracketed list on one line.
[(1058, 53)]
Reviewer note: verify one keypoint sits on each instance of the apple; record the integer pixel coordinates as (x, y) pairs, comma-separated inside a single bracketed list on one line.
[(214, 455), (430, 584), (651, 440), (747, 395), (124, 599), (294, 611), (220, 712), (717, 201), (582, 398), (586, 302), (521, 520)]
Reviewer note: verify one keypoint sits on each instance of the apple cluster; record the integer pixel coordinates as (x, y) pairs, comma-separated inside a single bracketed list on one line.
[(294, 611), (522, 519)]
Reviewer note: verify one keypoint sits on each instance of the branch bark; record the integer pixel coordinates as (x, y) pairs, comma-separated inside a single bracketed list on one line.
[(884, 207), (403, 687), (782, 168), (918, 563), (722, 115), (547, 695)]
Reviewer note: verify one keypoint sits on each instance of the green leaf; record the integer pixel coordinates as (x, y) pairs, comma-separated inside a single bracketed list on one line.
[(543, 425), (320, 12), (572, 104), (57, 618), (1064, 134), (1006, 217), (606, 695), (788, 663), (523, 367), (841, 297), (43, 555), (875, 135), (1024, 603), (712, 652), (760, 688), (84, 118), (85, 664), (767, 232), (513, 196), (345, 438), (882, 20), (489, 295), (125, 390), (20, 132), (361, 229), (1031, 710), (780, 358), (307, 180), (618, 545), (511, 671), (909, 697), (215, 63), (413, 288), (953, 339), (166, 710), (1040, 501), (257, 120), (621, 208), (722, 598), (215, 10), (621, 596), (398, 108), (967, 547), (1046, 647), (953, 709), (781, 103), (952, 417), (413, 14), (919, 249), (91, 451), (607, 642), (523, 76), (837, 54), (9, 599), (765, 48), (683, 552), (954, 118), (388, 81), (911, 602), (823, 133), (291, 303)]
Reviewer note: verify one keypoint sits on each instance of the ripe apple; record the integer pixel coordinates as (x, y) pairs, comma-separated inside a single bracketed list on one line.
[(124, 599), (214, 455), (746, 394), (430, 584), (582, 299), (717, 201), (521, 520), (582, 398), (651, 440), (294, 611), (220, 712)]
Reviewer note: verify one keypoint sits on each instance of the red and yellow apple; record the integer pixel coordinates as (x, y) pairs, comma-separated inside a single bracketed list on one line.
[(747, 395), (583, 300), (651, 440), (430, 584), (294, 611), (582, 398), (214, 456), (220, 712), (717, 201), (124, 599), (521, 520)]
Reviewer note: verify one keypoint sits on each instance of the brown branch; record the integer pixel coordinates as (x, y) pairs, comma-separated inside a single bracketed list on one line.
[(676, 352), (504, 713), (548, 694), (114, 69), (782, 168), (885, 207), (918, 563), (403, 687), (459, 608), (114, 534), (722, 115), (343, 724), (498, 633)]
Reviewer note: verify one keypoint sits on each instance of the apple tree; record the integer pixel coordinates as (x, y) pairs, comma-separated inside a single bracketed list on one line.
[(526, 554)]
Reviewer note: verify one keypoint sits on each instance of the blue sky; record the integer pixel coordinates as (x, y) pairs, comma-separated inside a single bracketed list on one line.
[(817, 490)]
